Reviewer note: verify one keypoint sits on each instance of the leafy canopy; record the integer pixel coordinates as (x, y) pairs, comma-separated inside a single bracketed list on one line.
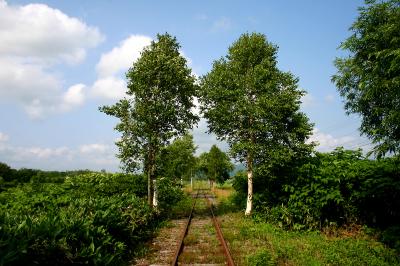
[(215, 164), (177, 159), (250, 103), (162, 88), (369, 78)]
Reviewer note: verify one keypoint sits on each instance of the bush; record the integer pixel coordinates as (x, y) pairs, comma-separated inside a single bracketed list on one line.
[(93, 219), (329, 188), (169, 194)]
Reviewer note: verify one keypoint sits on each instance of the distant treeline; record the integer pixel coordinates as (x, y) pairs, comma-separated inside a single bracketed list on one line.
[(10, 177)]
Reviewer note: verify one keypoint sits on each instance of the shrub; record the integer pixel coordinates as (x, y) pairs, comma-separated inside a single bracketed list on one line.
[(329, 188), (93, 219), (169, 194)]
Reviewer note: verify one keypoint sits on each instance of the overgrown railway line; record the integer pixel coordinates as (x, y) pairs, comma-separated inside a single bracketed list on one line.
[(202, 194)]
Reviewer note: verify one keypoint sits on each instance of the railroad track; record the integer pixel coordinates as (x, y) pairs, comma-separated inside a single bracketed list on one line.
[(202, 194)]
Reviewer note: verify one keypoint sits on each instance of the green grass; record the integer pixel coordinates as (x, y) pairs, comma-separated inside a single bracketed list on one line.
[(254, 243)]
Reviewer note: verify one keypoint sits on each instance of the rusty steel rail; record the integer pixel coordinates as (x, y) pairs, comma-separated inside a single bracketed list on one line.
[(180, 247), (220, 236)]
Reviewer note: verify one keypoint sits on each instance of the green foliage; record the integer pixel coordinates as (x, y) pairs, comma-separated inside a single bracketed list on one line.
[(169, 194), (219, 165), (334, 188), (5, 172), (251, 104), (255, 107), (344, 187), (261, 258), (163, 88), (369, 78), (391, 237), (12, 177), (240, 186), (253, 242), (202, 166), (177, 159), (94, 219), (215, 165)]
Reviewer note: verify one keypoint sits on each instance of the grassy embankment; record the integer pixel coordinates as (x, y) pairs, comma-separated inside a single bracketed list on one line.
[(261, 243)]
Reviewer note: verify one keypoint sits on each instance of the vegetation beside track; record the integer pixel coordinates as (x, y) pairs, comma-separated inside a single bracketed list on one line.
[(255, 241), (263, 243), (93, 219)]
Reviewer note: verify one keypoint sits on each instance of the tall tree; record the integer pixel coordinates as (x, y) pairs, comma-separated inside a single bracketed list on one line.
[(177, 159), (162, 89), (369, 78), (215, 165), (253, 105), (218, 165), (202, 166)]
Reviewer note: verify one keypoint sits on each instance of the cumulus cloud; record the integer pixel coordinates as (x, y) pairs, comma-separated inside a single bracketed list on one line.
[(74, 96), (94, 156), (308, 100), (43, 33), (26, 82), (93, 148), (110, 83), (120, 58), (111, 88), (42, 153), (327, 142), (203, 140), (112, 64), (34, 39), (37, 91)]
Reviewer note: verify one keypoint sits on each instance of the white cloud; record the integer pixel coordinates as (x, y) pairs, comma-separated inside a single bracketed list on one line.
[(38, 92), (40, 32), (112, 64), (110, 85), (43, 153), (93, 156), (308, 100), (25, 82), (327, 142), (120, 58), (109, 88), (74, 96), (196, 108), (34, 39), (93, 148), (203, 140), (29, 86)]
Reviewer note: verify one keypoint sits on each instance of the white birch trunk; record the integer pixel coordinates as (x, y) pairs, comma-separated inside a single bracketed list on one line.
[(155, 194), (249, 205)]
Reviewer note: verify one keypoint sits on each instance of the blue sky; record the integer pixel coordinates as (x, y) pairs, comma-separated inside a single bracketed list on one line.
[(61, 60)]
